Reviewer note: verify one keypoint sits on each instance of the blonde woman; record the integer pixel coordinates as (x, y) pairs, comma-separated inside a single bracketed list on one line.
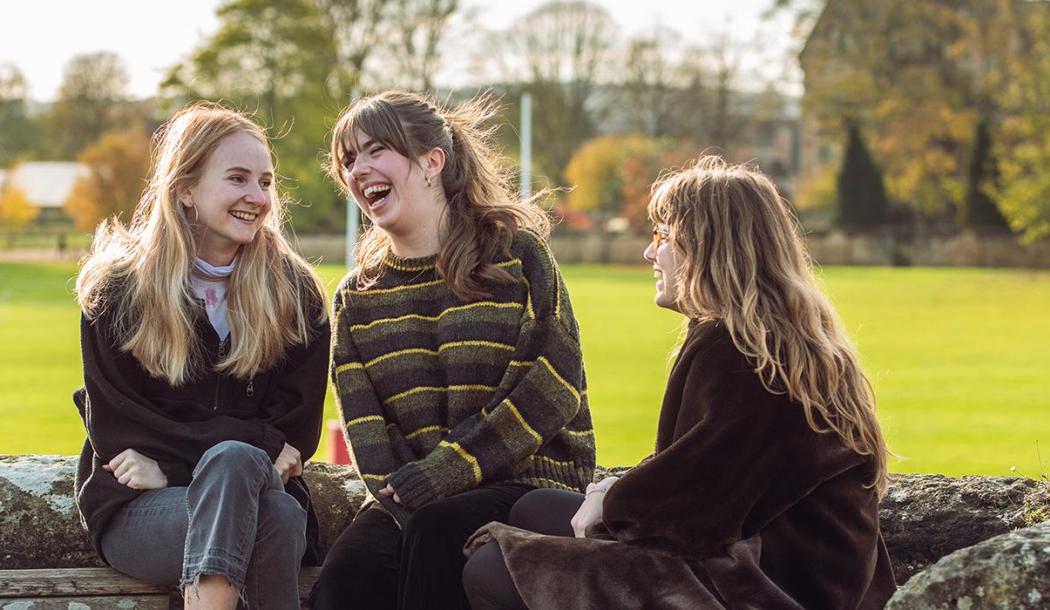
[(456, 358), (763, 491), (205, 348)]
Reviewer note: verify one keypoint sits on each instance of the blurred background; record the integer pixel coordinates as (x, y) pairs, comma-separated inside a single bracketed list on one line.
[(913, 139)]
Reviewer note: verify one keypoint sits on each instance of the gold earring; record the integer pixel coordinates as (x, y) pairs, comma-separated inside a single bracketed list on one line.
[(427, 176)]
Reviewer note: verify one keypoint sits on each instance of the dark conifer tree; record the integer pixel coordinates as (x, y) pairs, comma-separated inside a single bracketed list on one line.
[(979, 210), (862, 199)]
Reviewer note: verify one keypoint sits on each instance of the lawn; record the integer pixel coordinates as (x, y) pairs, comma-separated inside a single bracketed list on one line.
[(960, 360)]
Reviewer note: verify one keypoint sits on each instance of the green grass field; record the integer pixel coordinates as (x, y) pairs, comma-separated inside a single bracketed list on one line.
[(960, 360)]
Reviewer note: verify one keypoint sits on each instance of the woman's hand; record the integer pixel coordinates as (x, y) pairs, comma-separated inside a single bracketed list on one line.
[(389, 492), (136, 471), (590, 511), (289, 463)]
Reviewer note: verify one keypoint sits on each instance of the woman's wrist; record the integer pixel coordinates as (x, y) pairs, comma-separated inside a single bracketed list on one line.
[(601, 486)]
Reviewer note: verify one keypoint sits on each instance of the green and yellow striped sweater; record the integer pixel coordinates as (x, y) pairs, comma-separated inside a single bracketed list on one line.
[(439, 396)]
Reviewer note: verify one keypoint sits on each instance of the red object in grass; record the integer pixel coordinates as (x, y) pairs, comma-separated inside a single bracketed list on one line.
[(337, 453)]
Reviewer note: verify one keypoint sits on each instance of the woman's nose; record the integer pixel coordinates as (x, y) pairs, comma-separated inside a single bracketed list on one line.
[(358, 169)]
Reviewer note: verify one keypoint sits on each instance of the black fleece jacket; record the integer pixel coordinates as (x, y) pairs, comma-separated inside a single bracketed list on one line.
[(124, 407)]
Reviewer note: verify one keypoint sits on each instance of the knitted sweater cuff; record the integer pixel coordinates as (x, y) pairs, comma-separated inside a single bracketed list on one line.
[(413, 487)]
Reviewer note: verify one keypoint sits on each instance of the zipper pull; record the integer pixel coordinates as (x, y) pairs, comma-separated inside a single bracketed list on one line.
[(250, 390)]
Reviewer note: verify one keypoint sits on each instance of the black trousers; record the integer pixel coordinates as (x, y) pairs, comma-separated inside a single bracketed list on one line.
[(375, 565), (485, 577)]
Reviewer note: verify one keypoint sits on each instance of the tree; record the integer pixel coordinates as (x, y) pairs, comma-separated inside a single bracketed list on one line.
[(919, 73), (17, 130), (1024, 138), (117, 169), (861, 194), (594, 172), (277, 57), (979, 210), (723, 124), (648, 83), (555, 53), (641, 167), (89, 103), (15, 209), (357, 28), (612, 175), (416, 38)]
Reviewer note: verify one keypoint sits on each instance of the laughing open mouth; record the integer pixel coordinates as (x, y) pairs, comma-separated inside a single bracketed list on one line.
[(375, 193)]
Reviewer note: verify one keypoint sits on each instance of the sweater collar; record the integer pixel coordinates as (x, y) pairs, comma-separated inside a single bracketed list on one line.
[(400, 263)]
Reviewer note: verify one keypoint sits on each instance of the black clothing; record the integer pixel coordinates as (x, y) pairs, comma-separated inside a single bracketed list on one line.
[(124, 407), (376, 565)]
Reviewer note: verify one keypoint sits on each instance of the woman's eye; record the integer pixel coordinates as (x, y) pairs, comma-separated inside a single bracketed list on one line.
[(265, 184), (376, 150), (237, 179)]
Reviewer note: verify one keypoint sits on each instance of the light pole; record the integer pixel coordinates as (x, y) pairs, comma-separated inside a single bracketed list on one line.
[(526, 146), (353, 216)]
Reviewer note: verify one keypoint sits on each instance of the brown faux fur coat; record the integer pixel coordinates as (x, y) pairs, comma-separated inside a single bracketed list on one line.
[(742, 506)]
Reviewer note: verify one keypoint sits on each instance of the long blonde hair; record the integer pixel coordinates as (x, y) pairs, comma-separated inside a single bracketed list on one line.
[(140, 273), (742, 262), (482, 213)]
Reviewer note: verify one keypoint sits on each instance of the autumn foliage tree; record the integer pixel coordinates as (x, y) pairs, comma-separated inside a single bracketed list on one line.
[(15, 209), (117, 165), (1023, 143), (594, 172), (612, 175), (920, 74)]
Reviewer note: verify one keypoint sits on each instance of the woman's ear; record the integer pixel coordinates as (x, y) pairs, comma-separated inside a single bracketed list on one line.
[(433, 162), (184, 196)]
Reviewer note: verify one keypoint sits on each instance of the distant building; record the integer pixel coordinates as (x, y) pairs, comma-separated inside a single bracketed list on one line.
[(47, 185)]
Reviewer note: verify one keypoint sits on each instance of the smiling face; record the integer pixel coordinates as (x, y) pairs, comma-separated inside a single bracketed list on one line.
[(661, 254), (232, 197), (393, 191)]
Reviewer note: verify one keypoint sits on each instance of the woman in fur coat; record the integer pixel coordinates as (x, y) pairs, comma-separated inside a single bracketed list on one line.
[(764, 488)]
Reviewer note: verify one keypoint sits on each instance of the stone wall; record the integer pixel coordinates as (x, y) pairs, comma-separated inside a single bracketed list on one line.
[(924, 517)]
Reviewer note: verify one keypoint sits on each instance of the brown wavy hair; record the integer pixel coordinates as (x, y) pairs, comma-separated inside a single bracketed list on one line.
[(141, 272), (483, 215), (744, 264)]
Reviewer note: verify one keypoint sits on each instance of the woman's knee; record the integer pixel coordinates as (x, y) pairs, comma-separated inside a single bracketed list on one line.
[(234, 456), (547, 511), (352, 572), (431, 523), (487, 581)]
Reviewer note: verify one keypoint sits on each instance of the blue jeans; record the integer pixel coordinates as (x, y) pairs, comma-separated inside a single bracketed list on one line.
[(234, 520)]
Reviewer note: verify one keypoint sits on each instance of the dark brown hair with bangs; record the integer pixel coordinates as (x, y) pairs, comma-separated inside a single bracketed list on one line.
[(483, 215)]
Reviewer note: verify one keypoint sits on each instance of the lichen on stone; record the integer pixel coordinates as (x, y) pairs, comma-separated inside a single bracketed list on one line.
[(1037, 504)]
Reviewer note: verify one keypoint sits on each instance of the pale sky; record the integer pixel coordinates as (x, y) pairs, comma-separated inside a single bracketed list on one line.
[(40, 36)]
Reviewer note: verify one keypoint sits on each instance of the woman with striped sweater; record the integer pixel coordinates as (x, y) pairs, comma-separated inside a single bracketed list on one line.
[(456, 357)]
